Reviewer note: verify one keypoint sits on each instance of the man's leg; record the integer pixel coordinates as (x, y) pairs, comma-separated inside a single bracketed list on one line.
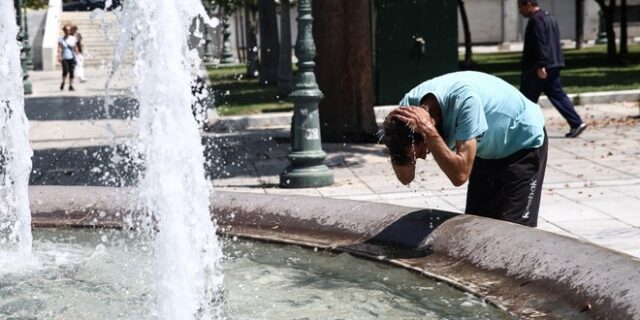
[(72, 67), (481, 191), (65, 72), (522, 181), (559, 99), (531, 86)]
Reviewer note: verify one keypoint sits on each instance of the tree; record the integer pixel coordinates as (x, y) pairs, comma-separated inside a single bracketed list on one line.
[(608, 11), (35, 4), (624, 49), (285, 74), (342, 32), (251, 20), (468, 53), (269, 45), (250, 17)]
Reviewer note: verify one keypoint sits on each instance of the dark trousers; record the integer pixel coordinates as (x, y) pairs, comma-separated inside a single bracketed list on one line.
[(68, 67), (531, 87), (509, 188)]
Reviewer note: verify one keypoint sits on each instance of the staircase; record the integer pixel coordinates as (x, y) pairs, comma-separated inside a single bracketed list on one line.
[(98, 45)]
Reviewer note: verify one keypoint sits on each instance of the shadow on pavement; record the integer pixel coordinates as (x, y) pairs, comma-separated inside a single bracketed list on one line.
[(80, 108), (87, 166), (247, 154)]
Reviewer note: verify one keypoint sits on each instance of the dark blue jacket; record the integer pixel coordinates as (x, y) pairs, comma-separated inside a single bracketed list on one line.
[(542, 43)]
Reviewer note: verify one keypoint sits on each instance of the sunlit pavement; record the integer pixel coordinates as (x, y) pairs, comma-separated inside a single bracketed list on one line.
[(591, 188)]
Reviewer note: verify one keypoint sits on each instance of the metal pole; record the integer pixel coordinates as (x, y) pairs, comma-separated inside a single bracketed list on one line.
[(207, 56), (306, 169), (25, 42), (227, 54), (22, 37)]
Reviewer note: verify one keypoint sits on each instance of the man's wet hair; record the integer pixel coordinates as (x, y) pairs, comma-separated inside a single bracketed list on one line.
[(524, 2), (400, 140)]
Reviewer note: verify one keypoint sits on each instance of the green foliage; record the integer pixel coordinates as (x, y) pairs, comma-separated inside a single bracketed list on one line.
[(35, 4), (586, 70), (235, 95), (232, 5)]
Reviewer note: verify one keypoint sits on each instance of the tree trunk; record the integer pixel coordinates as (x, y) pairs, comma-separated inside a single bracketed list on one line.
[(252, 41), (342, 32), (608, 11), (579, 23), (468, 53), (269, 45), (285, 74), (624, 49)]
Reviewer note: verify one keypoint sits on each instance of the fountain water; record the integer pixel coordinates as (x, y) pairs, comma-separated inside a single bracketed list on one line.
[(173, 187), (15, 152)]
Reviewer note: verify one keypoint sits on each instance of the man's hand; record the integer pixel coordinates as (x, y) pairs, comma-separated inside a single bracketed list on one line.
[(418, 120), (542, 73)]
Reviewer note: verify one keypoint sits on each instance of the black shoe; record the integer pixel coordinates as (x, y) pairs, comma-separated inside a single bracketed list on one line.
[(575, 132), (62, 86), (71, 88)]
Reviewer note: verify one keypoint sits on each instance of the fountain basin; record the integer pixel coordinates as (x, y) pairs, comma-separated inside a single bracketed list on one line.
[(527, 272), (112, 271)]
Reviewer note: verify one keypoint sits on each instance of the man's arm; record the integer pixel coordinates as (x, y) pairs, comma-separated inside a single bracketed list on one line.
[(456, 165), (542, 39)]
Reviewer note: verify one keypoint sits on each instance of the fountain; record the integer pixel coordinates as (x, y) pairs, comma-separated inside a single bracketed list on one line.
[(15, 153), (173, 189), (151, 252)]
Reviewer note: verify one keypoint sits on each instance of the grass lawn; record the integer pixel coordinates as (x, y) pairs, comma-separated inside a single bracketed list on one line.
[(236, 95), (586, 70)]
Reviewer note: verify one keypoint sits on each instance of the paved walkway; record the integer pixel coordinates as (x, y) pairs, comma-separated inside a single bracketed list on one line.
[(591, 190)]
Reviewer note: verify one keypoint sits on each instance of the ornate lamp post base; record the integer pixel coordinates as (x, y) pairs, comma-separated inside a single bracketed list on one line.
[(28, 88), (306, 177)]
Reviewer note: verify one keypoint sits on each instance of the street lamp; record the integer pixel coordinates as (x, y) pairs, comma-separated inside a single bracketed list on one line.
[(306, 169), (208, 53), (227, 54), (25, 52)]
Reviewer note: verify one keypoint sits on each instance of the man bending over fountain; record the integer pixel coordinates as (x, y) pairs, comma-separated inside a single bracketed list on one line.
[(479, 129)]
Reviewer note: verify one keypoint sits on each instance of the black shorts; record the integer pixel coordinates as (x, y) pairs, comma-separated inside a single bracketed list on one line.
[(509, 188), (68, 66)]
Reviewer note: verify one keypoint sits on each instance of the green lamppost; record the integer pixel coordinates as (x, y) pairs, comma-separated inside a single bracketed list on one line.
[(25, 42), (23, 38), (208, 53), (602, 34), (306, 169), (227, 54)]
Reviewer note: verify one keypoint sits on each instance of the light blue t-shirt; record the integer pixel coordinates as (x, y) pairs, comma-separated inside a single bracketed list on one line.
[(482, 106)]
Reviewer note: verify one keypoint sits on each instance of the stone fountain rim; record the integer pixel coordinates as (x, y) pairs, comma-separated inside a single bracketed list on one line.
[(528, 281)]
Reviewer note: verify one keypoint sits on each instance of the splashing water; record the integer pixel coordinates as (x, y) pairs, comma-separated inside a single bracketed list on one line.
[(173, 188), (15, 152)]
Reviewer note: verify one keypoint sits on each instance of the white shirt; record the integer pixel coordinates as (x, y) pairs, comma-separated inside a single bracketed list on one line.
[(68, 47)]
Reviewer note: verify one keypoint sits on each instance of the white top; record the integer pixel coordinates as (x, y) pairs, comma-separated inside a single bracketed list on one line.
[(68, 47)]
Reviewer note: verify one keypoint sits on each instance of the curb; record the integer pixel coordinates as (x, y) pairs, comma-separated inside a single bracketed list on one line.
[(216, 123)]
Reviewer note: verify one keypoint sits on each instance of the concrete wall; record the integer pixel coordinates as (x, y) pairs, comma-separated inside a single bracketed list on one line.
[(50, 36), (36, 24)]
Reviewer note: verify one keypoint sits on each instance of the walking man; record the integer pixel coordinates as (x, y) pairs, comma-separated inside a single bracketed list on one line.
[(542, 61), (480, 129)]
